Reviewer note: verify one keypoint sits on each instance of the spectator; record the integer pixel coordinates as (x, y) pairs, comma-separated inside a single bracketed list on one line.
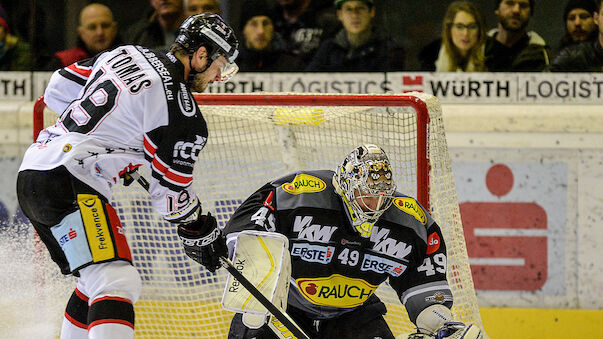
[(579, 23), (262, 48), (586, 56), (97, 32), (461, 47), (303, 27), (509, 47), (15, 54), (357, 47), (159, 27), (193, 7)]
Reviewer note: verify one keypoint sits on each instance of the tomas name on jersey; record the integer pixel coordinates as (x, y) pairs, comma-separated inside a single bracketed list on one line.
[(334, 269), (165, 130)]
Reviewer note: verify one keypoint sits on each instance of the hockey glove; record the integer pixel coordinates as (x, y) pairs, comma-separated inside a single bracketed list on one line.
[(458, 330), (203, 241), (451, 330)]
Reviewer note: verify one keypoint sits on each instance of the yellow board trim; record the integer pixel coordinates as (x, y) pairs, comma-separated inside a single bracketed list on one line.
[(500, 323), (533, 323)]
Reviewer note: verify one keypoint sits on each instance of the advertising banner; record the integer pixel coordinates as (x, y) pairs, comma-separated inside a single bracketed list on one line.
[(479, 88)]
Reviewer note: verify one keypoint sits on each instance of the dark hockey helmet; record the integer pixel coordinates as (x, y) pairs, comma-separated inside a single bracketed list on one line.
[(210, 31)]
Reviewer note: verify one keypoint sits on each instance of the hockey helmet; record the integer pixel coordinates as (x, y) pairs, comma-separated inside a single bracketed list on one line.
[(210, 31), (365, 174)]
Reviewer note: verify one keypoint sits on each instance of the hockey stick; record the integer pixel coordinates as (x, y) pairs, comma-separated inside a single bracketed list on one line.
[(227, 264)]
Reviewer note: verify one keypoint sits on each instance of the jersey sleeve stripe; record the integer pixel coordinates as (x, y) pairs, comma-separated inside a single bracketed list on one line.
[(82, 71), (149, 146), (169, 175), (176, 179), (70, 76), (159, 165)]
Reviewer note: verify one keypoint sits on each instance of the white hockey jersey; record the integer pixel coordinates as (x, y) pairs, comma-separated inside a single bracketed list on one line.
[(120, 109)]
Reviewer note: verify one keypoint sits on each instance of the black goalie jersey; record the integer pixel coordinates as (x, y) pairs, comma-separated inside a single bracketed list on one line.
[(334, 269), (121, 109)]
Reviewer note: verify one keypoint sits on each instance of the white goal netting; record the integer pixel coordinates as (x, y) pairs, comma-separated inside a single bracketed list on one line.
[(256, 138)]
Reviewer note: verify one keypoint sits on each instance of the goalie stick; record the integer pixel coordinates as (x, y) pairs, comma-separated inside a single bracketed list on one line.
[(227, 264)]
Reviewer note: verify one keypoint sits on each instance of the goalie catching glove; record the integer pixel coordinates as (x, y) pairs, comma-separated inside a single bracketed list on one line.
[(203, 241), (451, 330), (436, 322)]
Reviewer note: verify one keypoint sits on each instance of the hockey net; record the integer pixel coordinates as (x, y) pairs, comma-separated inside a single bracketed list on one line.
[(254, 138)]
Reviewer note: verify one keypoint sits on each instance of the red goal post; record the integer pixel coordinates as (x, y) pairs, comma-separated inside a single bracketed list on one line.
[(254, 138)]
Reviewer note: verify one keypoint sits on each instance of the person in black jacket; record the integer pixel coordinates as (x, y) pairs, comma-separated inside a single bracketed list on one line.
[(510, 47), (358, 47), (579, 23), (159, 27), (263, 49), (304, 24), (584, 57)]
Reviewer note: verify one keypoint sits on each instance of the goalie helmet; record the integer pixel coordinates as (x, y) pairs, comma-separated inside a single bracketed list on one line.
[(365, 183), (210, 31)]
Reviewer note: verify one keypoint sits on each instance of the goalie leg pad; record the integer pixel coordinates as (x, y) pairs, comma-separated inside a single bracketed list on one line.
[(238, 330)]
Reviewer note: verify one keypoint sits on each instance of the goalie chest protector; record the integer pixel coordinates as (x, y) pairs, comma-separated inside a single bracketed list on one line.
[(333, 267)]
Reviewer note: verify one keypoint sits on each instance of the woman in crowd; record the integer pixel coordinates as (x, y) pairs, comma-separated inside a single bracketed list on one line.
[(462, 45)]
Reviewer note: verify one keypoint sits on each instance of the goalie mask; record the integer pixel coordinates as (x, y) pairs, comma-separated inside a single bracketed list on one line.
[(364, 182), (210, 31)]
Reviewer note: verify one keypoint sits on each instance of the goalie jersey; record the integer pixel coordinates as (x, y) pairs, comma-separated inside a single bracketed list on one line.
[(334, 269), (120, 110)]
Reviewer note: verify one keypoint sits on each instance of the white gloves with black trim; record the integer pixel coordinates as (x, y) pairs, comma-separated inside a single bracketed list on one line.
[(204, 241), (451, 330), (435, 322)]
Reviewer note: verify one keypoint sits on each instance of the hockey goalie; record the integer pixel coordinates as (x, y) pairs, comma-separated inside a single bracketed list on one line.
[(346, 232)]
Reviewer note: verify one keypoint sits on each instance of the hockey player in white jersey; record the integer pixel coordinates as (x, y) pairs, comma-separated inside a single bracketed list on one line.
[(121, 109)]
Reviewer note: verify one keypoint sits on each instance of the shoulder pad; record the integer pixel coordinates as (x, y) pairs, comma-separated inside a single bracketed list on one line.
[(406, 211)]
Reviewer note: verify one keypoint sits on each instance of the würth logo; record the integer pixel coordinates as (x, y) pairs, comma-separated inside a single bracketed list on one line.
[(412, 83)]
